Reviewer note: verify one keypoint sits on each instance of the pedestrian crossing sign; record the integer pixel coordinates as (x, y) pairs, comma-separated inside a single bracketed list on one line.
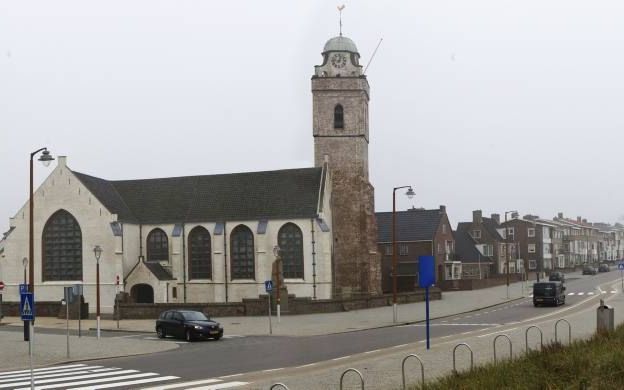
[(621, 266), (27, 307)]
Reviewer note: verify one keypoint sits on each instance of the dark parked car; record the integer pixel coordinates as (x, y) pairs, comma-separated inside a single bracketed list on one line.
[(548, 293), (187, 324), (557, 277), (604, 268), (589, 270)]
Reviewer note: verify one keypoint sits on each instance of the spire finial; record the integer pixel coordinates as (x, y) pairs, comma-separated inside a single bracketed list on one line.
[(340, 8)]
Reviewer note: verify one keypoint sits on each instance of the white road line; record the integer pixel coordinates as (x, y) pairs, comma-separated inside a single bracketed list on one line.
[(44, 381), (399, 346), (590, 293), (501, 331), (306, 365), (93, 381), (455, 324), (230, 376), (128, 383), (56, 375), (613, 291), (273, 369), (341, 358), (6, 378), (581, 293), (44, 369), (176, 385), (571, 294), (220, 386), (601, 290), (373, 351)]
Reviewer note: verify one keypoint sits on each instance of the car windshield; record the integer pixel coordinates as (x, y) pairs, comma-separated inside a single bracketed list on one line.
[(546, 290), (194, 316)]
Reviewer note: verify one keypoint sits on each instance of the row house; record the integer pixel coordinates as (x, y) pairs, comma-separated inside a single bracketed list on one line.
[(490, 238), (418, 232), (474, 263), (534, 240)]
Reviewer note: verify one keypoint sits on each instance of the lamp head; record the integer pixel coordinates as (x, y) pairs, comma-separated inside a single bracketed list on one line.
[(97, 251), (25, 261), (46, 158), (410, 193), (276, 250)]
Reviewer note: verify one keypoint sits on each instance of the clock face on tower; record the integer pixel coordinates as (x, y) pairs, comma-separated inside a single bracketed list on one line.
[(338, 60)]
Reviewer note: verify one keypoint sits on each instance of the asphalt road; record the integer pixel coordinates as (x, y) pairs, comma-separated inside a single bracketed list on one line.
[(237, 355)]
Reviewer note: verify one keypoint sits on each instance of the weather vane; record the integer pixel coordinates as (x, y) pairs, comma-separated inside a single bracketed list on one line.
[(340, 8)]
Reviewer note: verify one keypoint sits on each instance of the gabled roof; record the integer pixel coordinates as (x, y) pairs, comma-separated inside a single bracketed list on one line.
[(488, 224), (158, 270), (411, 225), (282, 194), (465, 248)]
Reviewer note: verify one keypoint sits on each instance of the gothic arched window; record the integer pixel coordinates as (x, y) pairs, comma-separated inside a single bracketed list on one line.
[(338, 117), (200, 261), (242, 253), (62, 248), (290, 241), (157, 246)]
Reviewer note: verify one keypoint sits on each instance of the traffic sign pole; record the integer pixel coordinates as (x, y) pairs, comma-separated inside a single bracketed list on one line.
[(268, 287)]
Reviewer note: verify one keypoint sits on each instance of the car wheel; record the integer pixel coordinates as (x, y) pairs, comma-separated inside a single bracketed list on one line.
[(189, 335), (161, 333), (535, 304), (217, 337)]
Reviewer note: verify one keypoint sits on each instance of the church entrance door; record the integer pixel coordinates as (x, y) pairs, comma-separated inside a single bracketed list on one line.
[(142, 293)]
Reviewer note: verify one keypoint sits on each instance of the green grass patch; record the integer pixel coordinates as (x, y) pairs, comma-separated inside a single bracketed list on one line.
[(597, 363)]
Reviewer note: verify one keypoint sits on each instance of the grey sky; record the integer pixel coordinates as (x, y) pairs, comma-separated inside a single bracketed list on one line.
[(485, 104)]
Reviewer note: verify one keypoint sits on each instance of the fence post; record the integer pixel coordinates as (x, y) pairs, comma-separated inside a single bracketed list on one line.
[(569, 330), (471, 356), (422, 369), (352, 370), (526, 337), (510, 346)]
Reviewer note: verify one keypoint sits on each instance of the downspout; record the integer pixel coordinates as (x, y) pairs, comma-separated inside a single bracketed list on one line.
[(313, 260), (225, 267), (140, 242), (184, 261)]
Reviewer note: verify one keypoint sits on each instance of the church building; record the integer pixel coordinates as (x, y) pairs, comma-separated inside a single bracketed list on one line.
[(212, 238)]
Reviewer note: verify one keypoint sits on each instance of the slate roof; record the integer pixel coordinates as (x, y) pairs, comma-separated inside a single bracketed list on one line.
[(465, 248), (281, 194), (158, 270), (411, 225), (488, 224)]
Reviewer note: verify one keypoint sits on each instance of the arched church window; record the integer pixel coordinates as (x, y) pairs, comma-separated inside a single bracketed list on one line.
[(200, 261), (290, 241), (157, 246), (338, 117), (62, 248), (242, 253)]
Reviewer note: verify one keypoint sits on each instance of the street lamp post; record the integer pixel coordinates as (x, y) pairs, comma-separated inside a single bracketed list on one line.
[(26, 328), (45, 159), (410, 194), (97, 251), (278, 260), (507, 248)]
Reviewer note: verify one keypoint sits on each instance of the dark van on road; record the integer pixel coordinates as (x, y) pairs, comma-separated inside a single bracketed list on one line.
[(548, 293), (557, 277)]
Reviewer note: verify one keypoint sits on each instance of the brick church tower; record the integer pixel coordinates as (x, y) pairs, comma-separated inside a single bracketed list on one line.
[(340, 124)]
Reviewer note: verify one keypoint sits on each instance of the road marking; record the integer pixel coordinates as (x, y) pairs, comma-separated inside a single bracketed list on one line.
[(613, 291), (306, 365), (581, 293), (341, 358), (373, 351), (466, 332), (273, 369), (233, 336), (176, 385), (455, 324), (571, 294), (501, 331), (127, 383), (590, 293), (55, 368), (601, 290), (220, 386), (399, 346), (47, 374), (87, 376), (230, 376)]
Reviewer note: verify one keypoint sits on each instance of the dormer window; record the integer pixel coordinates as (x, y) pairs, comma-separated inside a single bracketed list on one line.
[(338, 117)]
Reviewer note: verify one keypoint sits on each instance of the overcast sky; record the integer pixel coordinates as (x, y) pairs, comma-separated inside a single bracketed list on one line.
[(481, 104)]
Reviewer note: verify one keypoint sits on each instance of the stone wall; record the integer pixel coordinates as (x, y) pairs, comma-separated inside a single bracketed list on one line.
[(475, 284)]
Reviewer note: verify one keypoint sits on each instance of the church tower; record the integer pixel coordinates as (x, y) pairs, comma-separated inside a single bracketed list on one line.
[(340, 126)]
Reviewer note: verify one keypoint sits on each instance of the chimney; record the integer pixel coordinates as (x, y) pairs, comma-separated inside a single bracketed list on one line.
[(62, 161), (443, 209), (584, 220), (560, 215), (496, 218), (579, 219), (477, 216)]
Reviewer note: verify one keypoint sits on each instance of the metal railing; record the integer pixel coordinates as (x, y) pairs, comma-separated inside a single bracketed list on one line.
[(510, 346), (569, 330), (471, 356), (276, 385), (422, 369), (526, 337), (352, 370)]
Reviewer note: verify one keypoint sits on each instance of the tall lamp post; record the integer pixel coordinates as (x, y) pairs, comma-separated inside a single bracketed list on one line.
[(45, 158), (410, 194), (513, 213), (26, 329), (97, 251), (278, 278)]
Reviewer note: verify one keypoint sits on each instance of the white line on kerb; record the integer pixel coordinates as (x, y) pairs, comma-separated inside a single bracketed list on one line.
[(373, 351), (273, 369), (344, 357), (399, 346), (306, 365)]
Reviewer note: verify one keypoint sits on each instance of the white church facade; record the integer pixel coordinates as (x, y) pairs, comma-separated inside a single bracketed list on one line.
[(211, 238)]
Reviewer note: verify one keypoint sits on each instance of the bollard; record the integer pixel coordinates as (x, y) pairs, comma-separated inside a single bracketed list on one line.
[(352, 370), (422, 369), (604, 318), (510, 346)]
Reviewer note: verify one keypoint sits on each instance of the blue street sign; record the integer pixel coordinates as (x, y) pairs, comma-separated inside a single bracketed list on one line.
[(426, 271), (621, 266), (268, 286), (23, 288), (27, 306)]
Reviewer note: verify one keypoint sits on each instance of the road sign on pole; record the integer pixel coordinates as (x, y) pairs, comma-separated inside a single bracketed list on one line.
[(268, 286), (1, 285), (426, 279), (27, 307), (23, 288)]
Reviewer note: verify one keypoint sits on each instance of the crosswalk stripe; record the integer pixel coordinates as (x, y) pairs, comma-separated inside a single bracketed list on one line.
[(571, 294), (581, 293), (68, 378), (613, 291), (176, 385), (128, 383), (220, 386), (590, 293), (95, 381), (42, 369), (56, 374)]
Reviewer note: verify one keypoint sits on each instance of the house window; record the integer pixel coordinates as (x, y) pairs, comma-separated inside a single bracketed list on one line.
[(174, 292), (388, 250), (200, 261), (531, 248), (531, 232), (488, 250), (476, 234), (403, 250), (290, 241), (511, 232), (62, 248), (547, 250), (532, 264), (561, 260), (338, 117), (157, 246), (242, 253)]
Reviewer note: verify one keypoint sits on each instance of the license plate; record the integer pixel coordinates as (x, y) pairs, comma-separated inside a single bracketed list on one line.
[(214, 332)]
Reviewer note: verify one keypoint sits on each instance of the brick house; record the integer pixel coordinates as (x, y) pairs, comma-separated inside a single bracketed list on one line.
[(419, 232), (489, 235), (474, 264)]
